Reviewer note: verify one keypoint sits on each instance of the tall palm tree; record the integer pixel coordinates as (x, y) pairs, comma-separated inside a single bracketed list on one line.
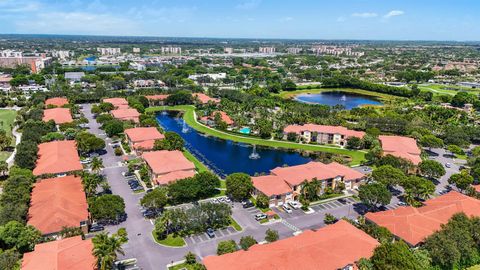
[(97, 164), (90, 183), (106, 249)]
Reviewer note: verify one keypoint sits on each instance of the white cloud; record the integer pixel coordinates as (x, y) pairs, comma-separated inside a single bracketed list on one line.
[(250, 4), (365, 15), (11, 6), (393, 13)]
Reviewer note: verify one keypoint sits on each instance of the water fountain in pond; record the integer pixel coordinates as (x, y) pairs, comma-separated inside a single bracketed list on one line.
[(254, 154), (343, 98), (164, 112), (184, 127)]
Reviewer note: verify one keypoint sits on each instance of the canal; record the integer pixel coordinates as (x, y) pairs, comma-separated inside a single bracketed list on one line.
[(224, 156)]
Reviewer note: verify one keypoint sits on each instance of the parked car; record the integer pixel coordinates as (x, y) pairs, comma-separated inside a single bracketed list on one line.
[(149, 213), (247, 204), (261, 216), (96, 228), (287, 209), (210, 233), (342, 200), (295, 204), (86, 161), (448, 165)]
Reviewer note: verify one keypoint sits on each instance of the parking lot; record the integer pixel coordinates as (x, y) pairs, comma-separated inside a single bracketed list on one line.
[(134, 182), (203, 237), (333, 204)]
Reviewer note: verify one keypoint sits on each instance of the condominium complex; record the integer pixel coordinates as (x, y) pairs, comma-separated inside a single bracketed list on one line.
[(268, 50), (109, 51), (171, 50)]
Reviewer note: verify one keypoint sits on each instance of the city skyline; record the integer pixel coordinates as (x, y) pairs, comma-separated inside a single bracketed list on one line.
[(350, 19)]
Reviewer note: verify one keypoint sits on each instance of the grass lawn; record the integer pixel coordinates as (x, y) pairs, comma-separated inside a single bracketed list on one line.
[(7, 117), (446, 89), (198, 164), (235, 225), (170, 241), (475, 267), (291, 94), (189, 117)]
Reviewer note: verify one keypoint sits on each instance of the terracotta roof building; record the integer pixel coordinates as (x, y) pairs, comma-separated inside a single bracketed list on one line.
[(332, 247), (57, 157), (402, 147), (413, 225), (143, 138), (118, 103), (67, 254), (126, 115), (58, 101), (205, 99), (285, 183), (323, 134), (57, 203), (58, 115), (157, 99), (168, 166)]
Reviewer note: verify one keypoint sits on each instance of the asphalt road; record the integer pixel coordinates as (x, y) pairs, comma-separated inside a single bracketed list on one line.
[(150, 255), (443, 156)]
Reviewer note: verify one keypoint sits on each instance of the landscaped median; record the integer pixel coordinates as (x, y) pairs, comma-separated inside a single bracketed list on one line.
[(189, 117), (170, 241)]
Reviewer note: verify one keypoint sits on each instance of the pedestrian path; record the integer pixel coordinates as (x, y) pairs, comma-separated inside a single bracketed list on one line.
[(290, 226)]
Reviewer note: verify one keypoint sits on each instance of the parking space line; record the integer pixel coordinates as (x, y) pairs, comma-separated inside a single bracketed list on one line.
[(221, 232), (337, 203), (193, 239)]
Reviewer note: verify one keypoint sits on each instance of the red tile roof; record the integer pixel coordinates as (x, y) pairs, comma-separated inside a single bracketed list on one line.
[(157, 97), (324, 129), (171, 177), (58, 115), (58, 101), (476, 188), (141, 134), (224, 116), (56, 203), (116, 101), (402, 147), (204, 98), (126, 114), (57, 157), (67, 254), (271, 185), (413, 225), (330, 248), (162, 162), (296, 175)]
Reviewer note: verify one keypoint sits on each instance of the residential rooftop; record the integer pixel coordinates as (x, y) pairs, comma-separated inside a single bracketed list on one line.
[(67, 254), (58, 115), (116, 101), (57, 101), (162, 162), (126, 114), (205, 99), (413, 225), (57, 203), (329, 248), (296, 175), (57, 157), (402, 147), (157, 97), (323, 129)]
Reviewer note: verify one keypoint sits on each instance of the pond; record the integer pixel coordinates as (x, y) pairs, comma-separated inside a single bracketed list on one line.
[(348, 100), (224, 156)]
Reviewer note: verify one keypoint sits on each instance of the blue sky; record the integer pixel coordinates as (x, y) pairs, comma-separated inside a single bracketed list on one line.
[(315, 19)]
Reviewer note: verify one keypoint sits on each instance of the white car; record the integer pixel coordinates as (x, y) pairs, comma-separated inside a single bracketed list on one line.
[(448, 165), (287, 209), (295, 204)]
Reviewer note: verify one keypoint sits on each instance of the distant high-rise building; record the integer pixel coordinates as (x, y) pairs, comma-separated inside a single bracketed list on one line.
[(109, 51), (268, 50), (228, 50), (171, 50), (11, 59), (62, 54), (136, 50), (294, 50)]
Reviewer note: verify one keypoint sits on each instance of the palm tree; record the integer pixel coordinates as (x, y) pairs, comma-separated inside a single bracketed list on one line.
[(106, 248), (90, 183), (97, 164)]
